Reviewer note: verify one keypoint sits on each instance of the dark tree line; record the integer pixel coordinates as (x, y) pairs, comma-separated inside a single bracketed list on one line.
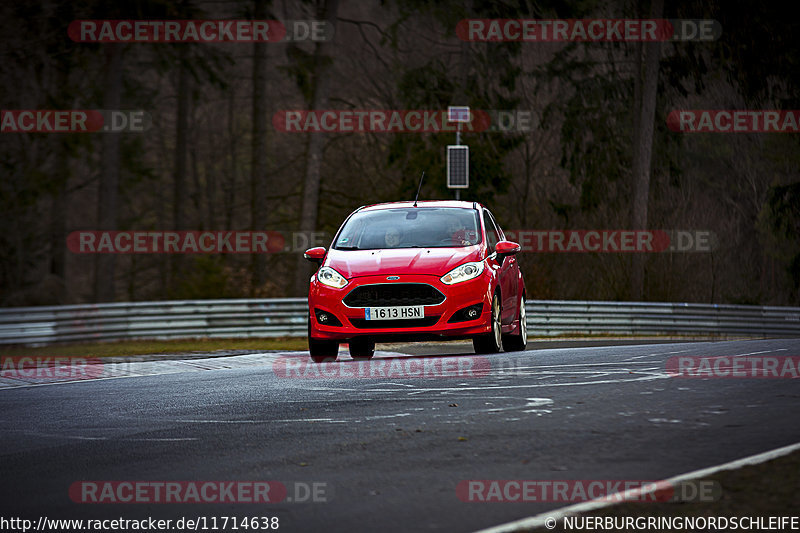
[(597, 155)]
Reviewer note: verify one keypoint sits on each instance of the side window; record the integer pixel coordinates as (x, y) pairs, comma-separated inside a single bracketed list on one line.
[(500, 235), (492, 235)]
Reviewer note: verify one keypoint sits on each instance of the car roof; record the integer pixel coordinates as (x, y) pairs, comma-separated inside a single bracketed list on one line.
[(421, 204)]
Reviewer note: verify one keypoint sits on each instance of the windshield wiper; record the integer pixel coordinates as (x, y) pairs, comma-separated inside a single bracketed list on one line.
[(348, 248)]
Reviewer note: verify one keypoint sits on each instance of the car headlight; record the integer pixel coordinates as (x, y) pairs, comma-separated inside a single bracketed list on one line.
[(331, 278), (464, 272)]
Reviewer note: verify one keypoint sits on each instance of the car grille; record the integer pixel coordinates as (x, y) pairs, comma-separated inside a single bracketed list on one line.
[(393, 294), (362, 323)]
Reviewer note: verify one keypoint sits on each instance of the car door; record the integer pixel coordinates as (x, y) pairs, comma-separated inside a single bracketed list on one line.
[(507, 270)]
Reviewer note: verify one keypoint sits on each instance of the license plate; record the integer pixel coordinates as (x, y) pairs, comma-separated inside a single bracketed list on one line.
[(394, 313)]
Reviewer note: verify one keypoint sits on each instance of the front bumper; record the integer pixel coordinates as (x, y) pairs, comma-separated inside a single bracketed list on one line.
[(435, 325)]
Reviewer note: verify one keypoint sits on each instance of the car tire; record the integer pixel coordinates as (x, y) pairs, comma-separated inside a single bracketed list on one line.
[(517, 342), (362, 348), (320, 350), (491, 342)]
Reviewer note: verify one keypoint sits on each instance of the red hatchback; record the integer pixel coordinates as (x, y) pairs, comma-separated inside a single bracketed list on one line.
[(435, 270)]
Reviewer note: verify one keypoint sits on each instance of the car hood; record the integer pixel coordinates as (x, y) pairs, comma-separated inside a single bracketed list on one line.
[(431, 261)]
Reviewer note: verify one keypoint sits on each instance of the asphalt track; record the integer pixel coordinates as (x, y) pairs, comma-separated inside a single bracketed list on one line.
[(387, 451)]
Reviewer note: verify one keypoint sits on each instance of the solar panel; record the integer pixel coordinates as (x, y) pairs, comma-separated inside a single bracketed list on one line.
[(458, 114), (457, 167)]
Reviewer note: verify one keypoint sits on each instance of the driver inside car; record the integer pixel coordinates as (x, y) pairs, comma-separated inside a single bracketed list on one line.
[(458, 233), (392, 237)]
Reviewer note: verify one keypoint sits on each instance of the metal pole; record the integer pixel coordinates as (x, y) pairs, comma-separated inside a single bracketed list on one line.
[(458, 143)]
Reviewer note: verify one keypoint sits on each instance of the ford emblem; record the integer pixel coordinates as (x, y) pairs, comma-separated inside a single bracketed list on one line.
[(391, 278)]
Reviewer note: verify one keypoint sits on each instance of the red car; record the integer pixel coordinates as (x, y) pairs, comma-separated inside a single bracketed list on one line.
[(434, 270)]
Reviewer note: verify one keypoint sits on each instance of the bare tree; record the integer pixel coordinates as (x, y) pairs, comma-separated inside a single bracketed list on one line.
[(644, 149), (316, 143), (258, 176), (181, 156), (107, 201)]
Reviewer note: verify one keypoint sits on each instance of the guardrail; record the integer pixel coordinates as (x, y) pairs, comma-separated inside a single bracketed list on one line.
[(154, 320), (551, 317), (281, 317)]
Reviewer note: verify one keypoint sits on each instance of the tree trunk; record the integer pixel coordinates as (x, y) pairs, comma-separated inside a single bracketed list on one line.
[(316, 144), (58, 214), (179, 196), (258, 178), (229, 187), (212, 200), (107, 202), (643, 149)]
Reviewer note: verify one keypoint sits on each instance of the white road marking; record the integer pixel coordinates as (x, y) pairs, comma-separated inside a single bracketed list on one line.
[(751, 353), (651, 377), (166, 439), (258, 421), (538, 521), (380, 417), (134, 439)]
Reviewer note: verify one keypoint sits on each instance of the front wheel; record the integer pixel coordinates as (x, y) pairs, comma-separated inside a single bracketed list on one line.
[(320, 350), (490, 342), (518, 342), (362, 349)]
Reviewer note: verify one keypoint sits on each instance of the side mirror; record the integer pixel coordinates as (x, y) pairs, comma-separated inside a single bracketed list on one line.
[(315, 255), (504, 248)]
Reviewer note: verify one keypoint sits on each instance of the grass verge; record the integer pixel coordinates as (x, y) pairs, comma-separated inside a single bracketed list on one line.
[(236, 345), (151, 347)]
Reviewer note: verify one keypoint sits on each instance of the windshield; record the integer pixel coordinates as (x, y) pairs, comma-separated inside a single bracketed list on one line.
[(416, 227)]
